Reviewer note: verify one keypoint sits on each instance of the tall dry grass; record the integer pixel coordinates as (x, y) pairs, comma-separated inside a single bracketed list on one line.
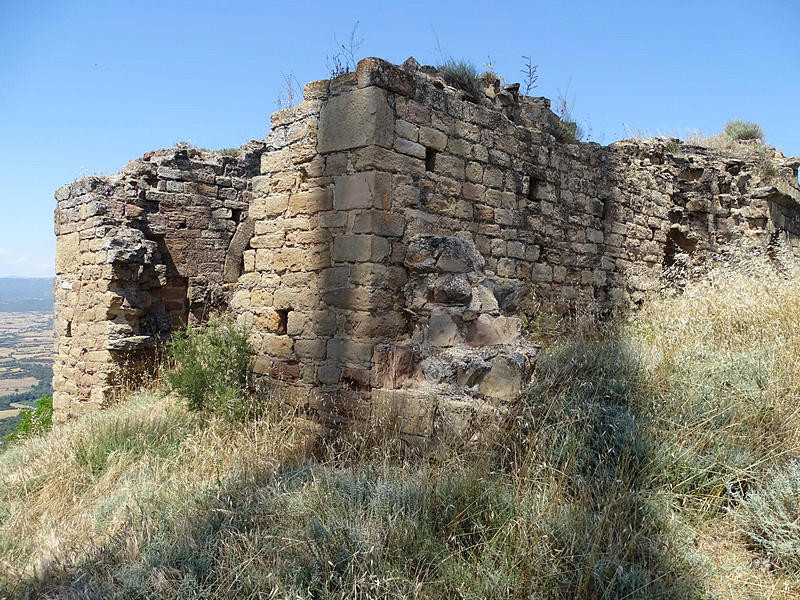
[(619, 476)]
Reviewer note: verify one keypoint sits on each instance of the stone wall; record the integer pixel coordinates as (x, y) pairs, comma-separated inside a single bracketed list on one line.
[(140, 254), (383, 241)]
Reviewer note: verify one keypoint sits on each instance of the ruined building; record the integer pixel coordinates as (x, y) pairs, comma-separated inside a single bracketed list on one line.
[(383, 242)]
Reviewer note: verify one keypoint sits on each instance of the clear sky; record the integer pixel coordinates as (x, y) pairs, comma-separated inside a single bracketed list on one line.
[(87, 86)]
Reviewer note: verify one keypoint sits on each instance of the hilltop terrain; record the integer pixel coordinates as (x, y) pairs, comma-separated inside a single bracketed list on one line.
[(656, 457)]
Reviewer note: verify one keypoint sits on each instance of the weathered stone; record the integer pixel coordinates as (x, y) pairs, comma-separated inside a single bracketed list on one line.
[(442, 329), (489, 331), (360, 248), (505, 378), (359, 118), (362, 190), (453, 289)]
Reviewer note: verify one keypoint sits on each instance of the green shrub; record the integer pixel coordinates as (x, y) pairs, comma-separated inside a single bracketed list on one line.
[(211, 369), (463, 75), (744, 130), (229, 151), (770, 516), (569, 132), (33, 421)]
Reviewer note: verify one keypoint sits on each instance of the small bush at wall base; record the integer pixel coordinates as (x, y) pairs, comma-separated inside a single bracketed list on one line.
[(744, 130), (211, 369), (33, 421)]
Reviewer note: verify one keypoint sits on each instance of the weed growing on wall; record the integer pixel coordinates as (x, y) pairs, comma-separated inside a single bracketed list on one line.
[(463, 75), (743, 130)]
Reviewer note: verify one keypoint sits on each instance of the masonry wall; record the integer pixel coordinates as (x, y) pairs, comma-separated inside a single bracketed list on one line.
[(139, 254), (382, 241)]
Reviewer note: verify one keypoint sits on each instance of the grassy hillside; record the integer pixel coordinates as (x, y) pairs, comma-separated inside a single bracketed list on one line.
[(655, 458)]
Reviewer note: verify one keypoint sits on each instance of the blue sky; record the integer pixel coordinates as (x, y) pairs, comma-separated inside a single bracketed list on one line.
[(87, 86)]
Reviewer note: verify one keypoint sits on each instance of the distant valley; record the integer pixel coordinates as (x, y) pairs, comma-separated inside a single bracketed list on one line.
[(18, 294), (26, 345)]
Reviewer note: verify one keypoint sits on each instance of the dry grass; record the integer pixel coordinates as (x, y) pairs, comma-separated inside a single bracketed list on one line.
[(617, 479)]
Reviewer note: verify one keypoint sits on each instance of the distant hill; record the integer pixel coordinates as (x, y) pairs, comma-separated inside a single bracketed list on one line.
[(18, 294)]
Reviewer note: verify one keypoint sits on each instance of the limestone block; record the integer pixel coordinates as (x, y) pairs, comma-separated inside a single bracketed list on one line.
[(505, 379), (333, 219), (297, 322), (376, 275), (360, 248), (277, 345), (377, 325), (392, 364), (310, 349), (324, 322), (67, 252), (442, 330), (333, 278), (406, 130), (432, 138), (310, 202), (269, 207), (349, 351), (359, 298), (362, 190), (359, 118), (376, 157), (379, 222), (375, 71), (449, 166), (405, 146), (261, 185), (489, 331)]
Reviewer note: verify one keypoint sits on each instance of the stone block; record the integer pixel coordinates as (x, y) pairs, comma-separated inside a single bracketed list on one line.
[(405, 146), (406, 130), (379, 222), (432, 138), (358, 118), (362, 190), (309, 202), (449, 166), (67, 252), (310, 349), (409, 411), (349, 351), (334, 277), (442, 329), (392, 364), (377, 325), (505, 379), (489, 331), (376, 157), (360, 248), (359, 298), (269, 207)]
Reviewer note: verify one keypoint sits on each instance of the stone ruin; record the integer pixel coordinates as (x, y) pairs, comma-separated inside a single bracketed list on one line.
[(385, 243)]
